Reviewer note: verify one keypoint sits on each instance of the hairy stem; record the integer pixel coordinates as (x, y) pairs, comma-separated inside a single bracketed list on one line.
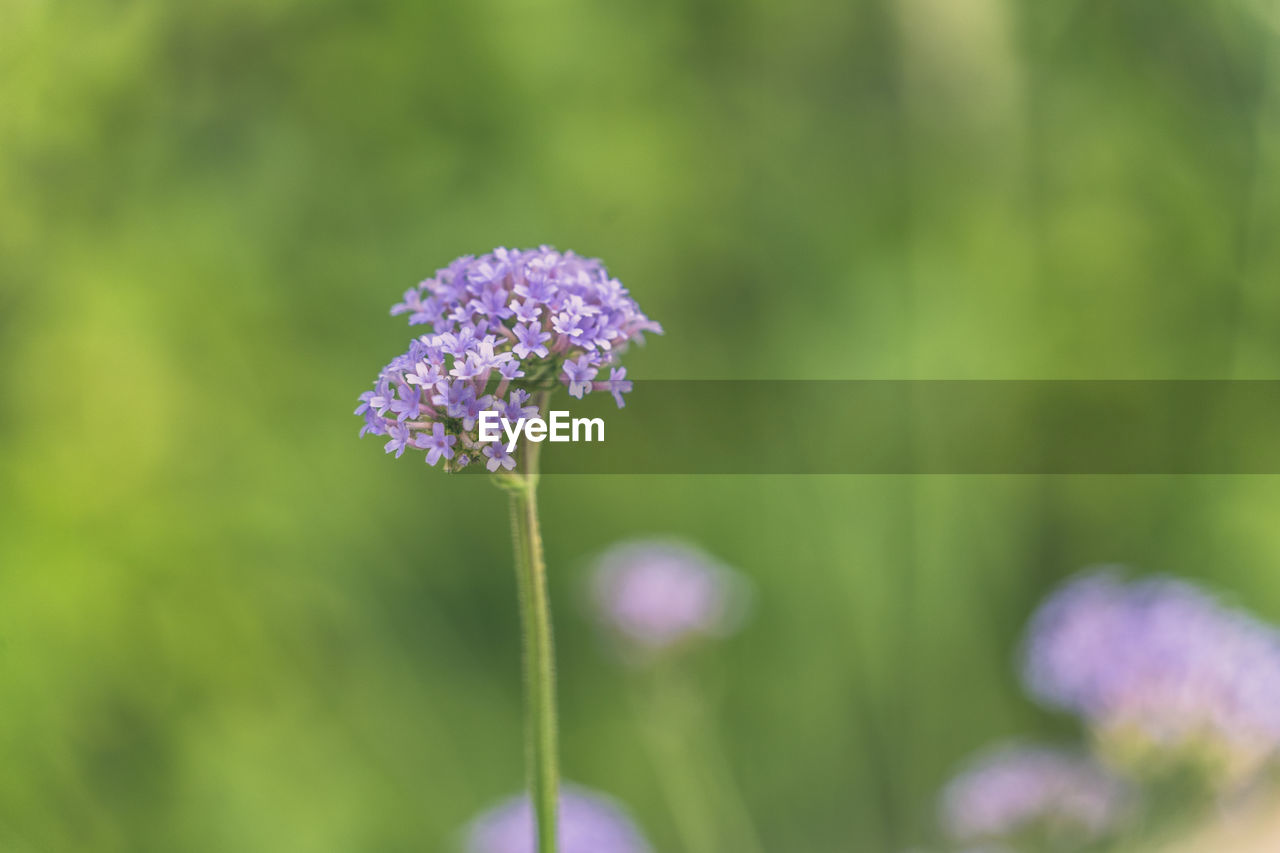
[(539, 661)]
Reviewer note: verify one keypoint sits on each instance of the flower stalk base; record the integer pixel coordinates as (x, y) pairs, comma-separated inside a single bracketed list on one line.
[(541, 735)]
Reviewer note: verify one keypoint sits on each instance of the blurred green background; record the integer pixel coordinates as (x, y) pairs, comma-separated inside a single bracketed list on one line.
[(226, 624)]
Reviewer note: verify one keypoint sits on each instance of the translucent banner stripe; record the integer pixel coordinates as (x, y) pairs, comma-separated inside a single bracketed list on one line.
[(928, 427)]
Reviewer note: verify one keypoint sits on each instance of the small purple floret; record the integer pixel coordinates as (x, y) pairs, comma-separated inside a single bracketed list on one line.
[(437, 443), (579, 373), (498, 457)]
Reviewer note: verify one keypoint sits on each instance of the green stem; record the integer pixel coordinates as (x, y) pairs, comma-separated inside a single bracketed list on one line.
[(663, 725), (539, 661), (699, 784), (732, 804)]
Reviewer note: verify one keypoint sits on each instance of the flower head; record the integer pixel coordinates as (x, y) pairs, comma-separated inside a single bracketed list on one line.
[(658, 594), (1017, 791), (536, 315), (1159, 667), (588, 823)]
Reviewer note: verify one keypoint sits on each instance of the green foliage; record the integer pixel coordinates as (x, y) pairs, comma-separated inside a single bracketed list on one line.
[(219, 629)]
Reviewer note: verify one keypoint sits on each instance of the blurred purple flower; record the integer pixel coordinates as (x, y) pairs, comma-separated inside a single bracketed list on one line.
[(588, 823), (1161, 661), (491, 320), (657, 594), (1018, 790)]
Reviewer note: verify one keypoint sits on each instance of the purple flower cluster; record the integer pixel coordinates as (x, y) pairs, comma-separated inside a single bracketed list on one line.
[(1020, 790), (588, 823), (501, 325), (658, 594), (1162, 662)]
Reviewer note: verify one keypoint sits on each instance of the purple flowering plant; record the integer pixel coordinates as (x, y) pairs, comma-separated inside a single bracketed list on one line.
[(1179, 696), (1163, 674), (658, 600), (501, 332)]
